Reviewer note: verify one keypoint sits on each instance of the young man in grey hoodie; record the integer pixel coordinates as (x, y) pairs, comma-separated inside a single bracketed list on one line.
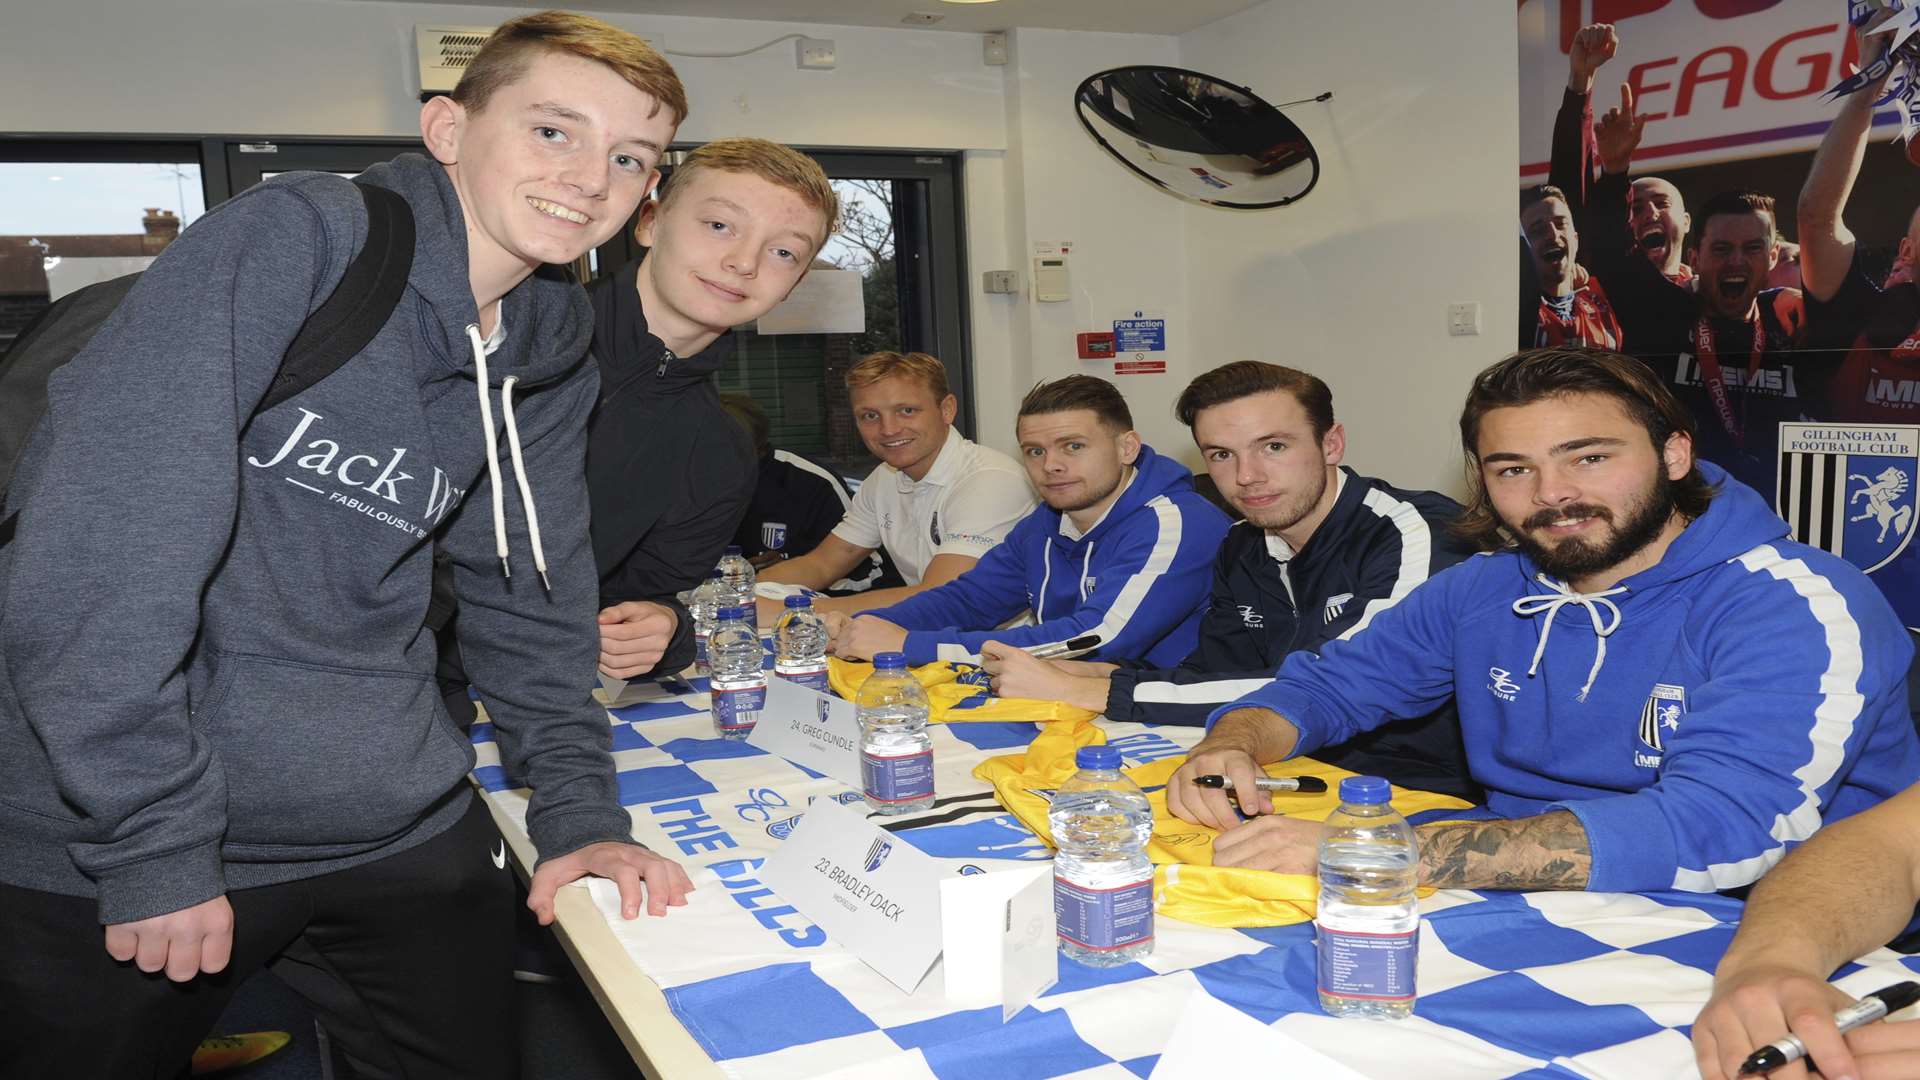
[(220, 741)]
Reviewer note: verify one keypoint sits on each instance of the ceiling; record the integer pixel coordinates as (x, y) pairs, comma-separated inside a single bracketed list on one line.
[(1119, 16)]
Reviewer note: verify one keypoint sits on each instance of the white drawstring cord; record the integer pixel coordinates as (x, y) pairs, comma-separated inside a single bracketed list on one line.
[(493, 447), (1560, 597), (520, 478)]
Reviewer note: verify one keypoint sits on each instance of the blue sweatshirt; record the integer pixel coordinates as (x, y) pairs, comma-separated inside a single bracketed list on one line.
[(1752, 689), (1138, 578)]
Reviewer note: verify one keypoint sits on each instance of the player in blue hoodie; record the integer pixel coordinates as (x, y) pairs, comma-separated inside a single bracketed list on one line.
[(1656, 687), (1123, 548), (221, 747)]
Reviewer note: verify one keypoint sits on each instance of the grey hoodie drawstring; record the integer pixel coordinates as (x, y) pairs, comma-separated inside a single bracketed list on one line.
[(1560, 597), (493, 462)]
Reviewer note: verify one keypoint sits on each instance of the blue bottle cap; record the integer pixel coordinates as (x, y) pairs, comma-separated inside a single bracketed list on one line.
[(799, 600), (1097, 757), (889, 661), (733, 549), (1365, 790), (716, 574)]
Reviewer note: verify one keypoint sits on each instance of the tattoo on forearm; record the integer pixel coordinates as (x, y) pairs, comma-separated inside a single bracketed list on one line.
[(1546, 852)]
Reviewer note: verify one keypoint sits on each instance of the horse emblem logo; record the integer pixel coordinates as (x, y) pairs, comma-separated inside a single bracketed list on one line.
[(1880, 493), (1849, 488), (877, 854), (1659, 718), (773, 535)]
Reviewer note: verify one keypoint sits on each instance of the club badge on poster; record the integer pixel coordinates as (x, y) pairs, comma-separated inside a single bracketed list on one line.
[(1850, 489)]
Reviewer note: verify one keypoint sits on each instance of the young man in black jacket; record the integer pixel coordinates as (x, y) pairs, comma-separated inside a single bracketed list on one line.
[(1321, 551), (669, 473)]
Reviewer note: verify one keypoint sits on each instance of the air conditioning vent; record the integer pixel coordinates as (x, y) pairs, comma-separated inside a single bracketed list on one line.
[(445, 52)]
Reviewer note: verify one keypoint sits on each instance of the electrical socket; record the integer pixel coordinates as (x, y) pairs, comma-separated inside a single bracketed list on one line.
[(994, 49), (1000, 281), (1463, 319), (814, 54)]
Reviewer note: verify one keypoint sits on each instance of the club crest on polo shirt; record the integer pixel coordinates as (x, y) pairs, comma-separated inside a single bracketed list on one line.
[(1659, 717), (933, 528), (773, 535)]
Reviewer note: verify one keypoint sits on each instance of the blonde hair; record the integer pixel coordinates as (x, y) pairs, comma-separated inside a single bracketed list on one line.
[(512, 47), (781, 166), (887, 365)]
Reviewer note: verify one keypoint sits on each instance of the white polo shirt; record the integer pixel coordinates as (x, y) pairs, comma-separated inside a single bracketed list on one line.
[(966, 504)]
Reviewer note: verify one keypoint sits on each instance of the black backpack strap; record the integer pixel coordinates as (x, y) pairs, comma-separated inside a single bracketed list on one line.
[(360, 305), (343, 324)]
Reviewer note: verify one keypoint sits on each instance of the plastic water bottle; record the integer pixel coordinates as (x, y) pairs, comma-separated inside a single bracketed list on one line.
[(1368, 921), (800, 645), (705, 609), (1102, 878), (896, 753), (737, 572), (739, 688)]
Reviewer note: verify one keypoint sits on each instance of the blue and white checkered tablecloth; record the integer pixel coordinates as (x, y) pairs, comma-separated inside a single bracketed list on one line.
[(1539, 985)]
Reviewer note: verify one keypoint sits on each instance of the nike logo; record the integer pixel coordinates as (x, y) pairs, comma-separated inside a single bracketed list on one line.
[(500, 856)]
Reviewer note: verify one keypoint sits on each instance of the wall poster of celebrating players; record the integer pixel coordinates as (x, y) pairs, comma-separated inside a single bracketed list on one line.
[(1725, 189)]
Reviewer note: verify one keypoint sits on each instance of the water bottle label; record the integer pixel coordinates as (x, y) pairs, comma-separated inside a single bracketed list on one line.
[(1377, 967), (811, 676), (737, 708), (897, 779), (700, 648), (1104, 919)]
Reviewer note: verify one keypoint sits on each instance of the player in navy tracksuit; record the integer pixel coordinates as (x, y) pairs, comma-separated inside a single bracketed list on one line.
[(1323, 551), (1122, 548)]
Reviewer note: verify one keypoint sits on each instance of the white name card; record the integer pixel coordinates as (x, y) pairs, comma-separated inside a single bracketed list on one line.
[(1012, 910), (872, 892), (820, 731)]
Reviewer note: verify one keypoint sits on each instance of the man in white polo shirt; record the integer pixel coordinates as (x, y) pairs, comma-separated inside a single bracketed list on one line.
[(937, 501)]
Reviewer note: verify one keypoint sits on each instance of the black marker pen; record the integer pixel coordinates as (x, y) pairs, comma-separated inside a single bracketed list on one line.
[(1874, 1006)]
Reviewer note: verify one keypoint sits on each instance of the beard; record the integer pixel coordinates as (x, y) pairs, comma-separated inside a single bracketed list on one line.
[(1577, 556), (1287, 512), (1091, 498)]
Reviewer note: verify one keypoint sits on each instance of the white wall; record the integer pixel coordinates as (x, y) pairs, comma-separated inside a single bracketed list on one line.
[(340, 67), (1128, 241), (1414, 210), (1415, 207)]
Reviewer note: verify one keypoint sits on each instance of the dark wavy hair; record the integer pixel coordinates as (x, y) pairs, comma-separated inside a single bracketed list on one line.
[(1539, 374)]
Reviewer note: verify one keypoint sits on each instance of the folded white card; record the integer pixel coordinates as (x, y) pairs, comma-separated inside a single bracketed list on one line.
[(820, 731), (872, 892), (1013, 909), (1213, 1039)]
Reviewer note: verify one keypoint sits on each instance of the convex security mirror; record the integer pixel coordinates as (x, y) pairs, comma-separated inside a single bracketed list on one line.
[(1198, 137)]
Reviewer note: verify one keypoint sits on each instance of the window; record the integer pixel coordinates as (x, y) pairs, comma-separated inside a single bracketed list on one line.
[(73, 213)]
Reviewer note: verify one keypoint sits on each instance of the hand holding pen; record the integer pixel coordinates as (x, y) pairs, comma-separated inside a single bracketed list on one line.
[(1875, 1006)]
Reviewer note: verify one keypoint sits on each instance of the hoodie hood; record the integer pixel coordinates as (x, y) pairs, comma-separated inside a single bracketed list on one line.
[(632, 359), (1153, 476), (548, 318)]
